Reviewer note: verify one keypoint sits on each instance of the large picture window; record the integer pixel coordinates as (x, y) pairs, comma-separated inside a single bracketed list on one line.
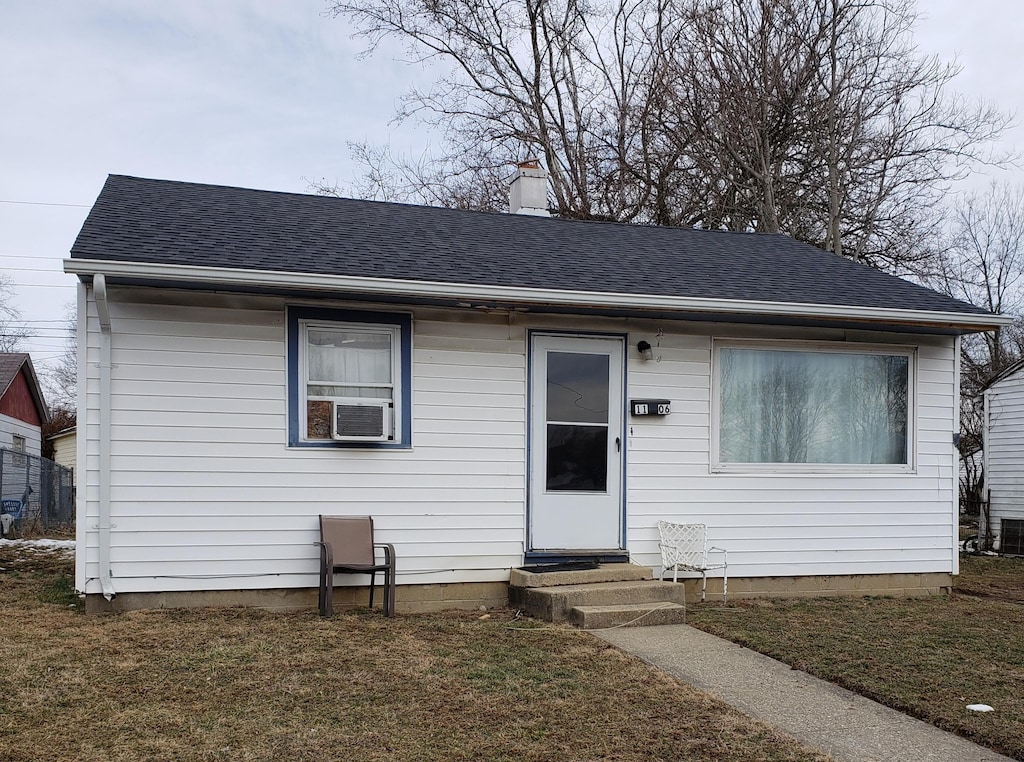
[(812, 406), (349, 378)]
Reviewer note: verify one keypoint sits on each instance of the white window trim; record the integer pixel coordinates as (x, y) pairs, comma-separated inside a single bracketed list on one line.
[(392, 330), (718, 467)]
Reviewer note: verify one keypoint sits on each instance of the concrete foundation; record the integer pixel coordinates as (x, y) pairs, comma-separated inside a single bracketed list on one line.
[(415, 599), (409, 599), (854, 585)]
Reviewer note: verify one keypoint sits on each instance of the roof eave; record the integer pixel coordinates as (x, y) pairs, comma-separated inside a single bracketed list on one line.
[(470, 294), (1004, 374)]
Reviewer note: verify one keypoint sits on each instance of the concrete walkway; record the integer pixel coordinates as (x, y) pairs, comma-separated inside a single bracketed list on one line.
[(844, 725)]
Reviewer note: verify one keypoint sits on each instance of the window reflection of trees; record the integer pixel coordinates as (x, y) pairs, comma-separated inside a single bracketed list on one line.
[(577, 421), (577, 387), (813, 407)]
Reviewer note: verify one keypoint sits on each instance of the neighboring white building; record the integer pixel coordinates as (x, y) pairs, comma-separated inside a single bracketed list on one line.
[(65, 449), (1004, 461), (495, 390)]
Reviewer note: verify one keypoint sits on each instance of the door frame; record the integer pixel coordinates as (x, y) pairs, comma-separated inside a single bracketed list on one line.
[(600, 555)]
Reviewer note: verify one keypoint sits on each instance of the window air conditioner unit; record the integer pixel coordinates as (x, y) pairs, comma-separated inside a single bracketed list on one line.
[(358, 421)]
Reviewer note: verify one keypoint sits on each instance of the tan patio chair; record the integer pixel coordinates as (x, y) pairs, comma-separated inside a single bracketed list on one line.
[(684, 548), (347, 546)]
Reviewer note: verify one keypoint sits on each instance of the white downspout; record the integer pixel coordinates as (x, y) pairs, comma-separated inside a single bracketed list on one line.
[(957, 348), (985, 489), (99, 286)]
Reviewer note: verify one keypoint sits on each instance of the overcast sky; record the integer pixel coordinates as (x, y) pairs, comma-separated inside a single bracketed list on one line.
[(253, 93)]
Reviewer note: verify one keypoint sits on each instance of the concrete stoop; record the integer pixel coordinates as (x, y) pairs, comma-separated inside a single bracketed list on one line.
[(611, 595)]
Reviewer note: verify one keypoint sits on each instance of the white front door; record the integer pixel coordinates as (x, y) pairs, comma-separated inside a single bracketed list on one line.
[(576, 443)]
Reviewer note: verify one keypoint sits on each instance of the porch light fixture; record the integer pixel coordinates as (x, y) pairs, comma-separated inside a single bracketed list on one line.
[(645, 350)]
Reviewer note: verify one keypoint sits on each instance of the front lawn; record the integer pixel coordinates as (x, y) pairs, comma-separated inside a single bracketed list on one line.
[(236, 684), (929, 657)]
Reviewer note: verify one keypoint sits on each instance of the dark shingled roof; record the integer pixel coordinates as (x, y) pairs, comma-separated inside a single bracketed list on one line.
[(10, 366), (190, 224)]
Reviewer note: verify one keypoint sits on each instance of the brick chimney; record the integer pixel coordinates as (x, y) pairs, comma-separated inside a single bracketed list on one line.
[(528, 189)]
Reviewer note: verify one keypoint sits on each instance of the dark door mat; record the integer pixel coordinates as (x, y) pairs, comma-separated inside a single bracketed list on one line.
[(568, 566)]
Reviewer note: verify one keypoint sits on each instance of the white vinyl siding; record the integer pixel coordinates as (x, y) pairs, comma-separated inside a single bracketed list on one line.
[(11, 427), (64, 449), (1004, 450), (783, 524), (206, 494)]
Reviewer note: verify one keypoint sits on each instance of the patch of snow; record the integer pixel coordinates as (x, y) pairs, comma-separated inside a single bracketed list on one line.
[(66, 545), (980, 708)]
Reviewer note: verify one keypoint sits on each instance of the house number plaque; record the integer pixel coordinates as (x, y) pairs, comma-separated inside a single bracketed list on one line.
[(650, 407)]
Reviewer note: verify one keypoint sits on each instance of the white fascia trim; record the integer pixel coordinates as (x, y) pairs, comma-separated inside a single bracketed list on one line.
[(225, 276)]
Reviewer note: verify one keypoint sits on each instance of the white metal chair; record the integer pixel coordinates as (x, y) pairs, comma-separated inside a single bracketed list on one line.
[(684, 548)]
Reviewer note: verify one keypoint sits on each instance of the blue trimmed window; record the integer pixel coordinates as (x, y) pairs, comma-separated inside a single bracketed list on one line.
[(349, 378)]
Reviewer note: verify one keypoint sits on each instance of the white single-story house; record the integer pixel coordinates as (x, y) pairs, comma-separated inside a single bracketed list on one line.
[(1003, 438), (495, 390)]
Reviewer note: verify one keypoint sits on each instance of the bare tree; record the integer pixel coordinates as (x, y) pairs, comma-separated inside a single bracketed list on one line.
[(425, 181), (13, 332), (895, 134), (816, 118), (560, 80), (62, 379), (982, 262), (744, 88)]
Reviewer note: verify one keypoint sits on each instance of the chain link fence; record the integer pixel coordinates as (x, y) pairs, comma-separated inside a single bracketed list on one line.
[(36, 494)]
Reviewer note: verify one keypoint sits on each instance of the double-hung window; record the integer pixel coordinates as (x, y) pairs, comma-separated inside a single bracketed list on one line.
[(349, 378), (19, 447), (796, 407)]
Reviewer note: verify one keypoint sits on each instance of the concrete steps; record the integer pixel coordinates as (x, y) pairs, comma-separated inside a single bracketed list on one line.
[(610, 595), (627, 615)]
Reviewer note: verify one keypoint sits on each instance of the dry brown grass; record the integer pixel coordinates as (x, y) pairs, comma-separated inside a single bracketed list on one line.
[(236, 684), (929, 657)]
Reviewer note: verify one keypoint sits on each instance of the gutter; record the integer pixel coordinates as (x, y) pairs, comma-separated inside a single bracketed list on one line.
[(99, 286), (465, 294)]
